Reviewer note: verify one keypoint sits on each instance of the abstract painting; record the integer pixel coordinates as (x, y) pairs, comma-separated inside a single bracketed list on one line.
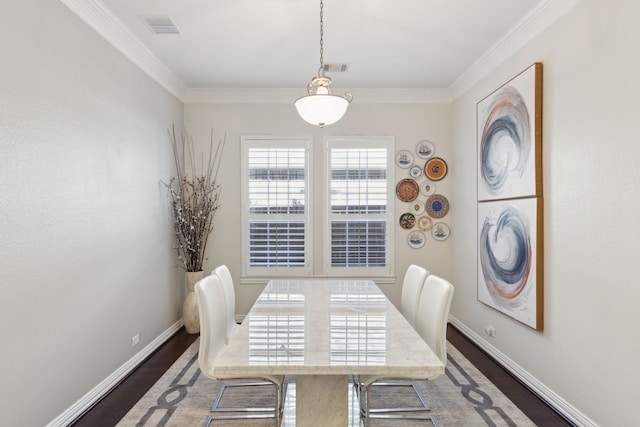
[(509, 132), (510, 258)]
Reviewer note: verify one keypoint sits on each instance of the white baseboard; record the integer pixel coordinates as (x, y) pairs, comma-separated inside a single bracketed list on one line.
[(93, 396), (563, 407)]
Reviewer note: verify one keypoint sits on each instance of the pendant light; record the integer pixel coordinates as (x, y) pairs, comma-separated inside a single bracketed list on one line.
[(320, 107)]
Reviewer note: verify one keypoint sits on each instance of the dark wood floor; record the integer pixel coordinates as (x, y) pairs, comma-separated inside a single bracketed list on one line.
[(116, 404), (529, 403)]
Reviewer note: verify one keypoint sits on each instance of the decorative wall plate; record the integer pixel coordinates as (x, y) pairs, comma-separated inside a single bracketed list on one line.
[(407, 220), (417, 207), (407, 190), (427, 188), (424, 223), (404, 159), (415, 171), (440, 231), (416, 239), (435, 169), (425, 149), (437, 206)]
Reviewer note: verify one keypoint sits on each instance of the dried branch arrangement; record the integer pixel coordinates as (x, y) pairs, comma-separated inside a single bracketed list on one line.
[(195, 196)]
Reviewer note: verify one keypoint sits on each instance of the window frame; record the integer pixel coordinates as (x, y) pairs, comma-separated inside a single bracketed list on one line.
[(388, 143), (252, 141)]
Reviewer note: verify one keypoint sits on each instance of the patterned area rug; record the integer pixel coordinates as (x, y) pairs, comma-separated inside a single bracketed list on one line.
[(463, 397)]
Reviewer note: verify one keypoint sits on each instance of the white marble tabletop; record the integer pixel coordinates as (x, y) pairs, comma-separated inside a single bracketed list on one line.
[(322, 331)]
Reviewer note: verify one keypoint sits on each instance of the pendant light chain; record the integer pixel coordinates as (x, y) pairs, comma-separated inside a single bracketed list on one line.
[(321, 72), (320, 107)]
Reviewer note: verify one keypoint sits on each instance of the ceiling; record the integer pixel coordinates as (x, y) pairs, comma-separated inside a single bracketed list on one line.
[(274, 44)]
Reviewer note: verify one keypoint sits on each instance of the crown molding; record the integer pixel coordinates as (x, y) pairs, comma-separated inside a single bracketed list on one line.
[(98, 17), (539, 19), (288, 96), (240, 95)]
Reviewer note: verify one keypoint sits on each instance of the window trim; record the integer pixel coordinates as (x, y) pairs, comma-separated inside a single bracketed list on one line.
[(272, 141), (387, 142)]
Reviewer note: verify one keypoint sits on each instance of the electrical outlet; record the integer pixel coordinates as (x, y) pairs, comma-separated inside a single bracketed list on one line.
[(135, 340), (490, 330)]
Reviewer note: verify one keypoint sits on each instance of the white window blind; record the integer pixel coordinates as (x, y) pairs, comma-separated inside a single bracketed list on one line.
[(358, 204), (275, 191)]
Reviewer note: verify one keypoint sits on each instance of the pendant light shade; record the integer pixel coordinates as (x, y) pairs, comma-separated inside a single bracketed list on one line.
[(320, 107)]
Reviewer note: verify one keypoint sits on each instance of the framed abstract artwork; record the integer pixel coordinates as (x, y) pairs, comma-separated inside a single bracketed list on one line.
[(509, 138), (510, 258)]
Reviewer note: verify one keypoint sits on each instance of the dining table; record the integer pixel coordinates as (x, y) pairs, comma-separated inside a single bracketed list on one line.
[(321, 331)]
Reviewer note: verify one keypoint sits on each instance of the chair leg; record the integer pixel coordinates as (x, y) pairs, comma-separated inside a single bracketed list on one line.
[(360, 395), (367, 416), (423, 401), (216, 408), (249, 413), (431, 418), (363, 400), (366, 412), (280, 397)]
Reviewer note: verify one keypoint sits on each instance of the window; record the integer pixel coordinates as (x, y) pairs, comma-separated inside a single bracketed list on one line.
[(357, 239), (355, 219), (276, 215)]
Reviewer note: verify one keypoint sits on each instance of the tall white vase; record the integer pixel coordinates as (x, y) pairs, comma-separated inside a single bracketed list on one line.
[(190, 304)]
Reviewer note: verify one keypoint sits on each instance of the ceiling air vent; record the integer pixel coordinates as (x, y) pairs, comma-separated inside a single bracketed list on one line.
[(159, 24), (336, 68)]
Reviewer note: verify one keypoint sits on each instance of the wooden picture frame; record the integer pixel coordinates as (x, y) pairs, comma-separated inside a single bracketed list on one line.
[(510, 254), (509, 138)]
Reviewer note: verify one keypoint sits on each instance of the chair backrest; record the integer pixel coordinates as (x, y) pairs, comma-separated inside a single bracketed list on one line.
[(433, 313), (411, 288), (211, 307), (224, 275)]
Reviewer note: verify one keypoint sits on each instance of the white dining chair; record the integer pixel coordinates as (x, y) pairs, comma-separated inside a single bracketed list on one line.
[(412, 285), (223, 273), (213, 331), (431, 324), (434, 306)]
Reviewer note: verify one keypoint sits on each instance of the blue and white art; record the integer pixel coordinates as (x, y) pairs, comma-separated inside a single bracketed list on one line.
[(508, 245), (508, 131)]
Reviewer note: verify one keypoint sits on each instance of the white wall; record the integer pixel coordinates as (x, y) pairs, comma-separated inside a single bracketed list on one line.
[(85, 258), (588, 350), (408, 123)]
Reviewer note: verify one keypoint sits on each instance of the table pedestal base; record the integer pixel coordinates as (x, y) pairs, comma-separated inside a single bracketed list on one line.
[(322, 398)]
